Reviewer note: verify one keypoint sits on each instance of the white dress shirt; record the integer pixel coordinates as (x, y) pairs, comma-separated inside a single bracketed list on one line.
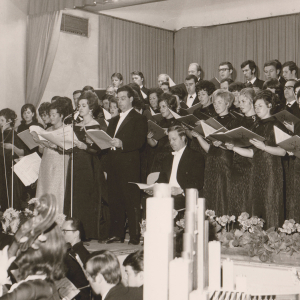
[(123, 115), (143, 94), (190, 99), (173, 178), (252, 80), (290, 103)]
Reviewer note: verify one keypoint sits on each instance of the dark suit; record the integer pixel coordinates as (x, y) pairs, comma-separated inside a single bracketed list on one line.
[(123, 167), (196, 100), (257, 83), (215, 82), (282, 81), (74, 271), (190, 173), (145, 91), (120, 292), (294, 109)]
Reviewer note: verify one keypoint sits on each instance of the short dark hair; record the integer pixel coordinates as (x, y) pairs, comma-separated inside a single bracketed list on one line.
[(229, 64), (251, 64), (157, 91), (77, 92), (138, 73), (54, 98), (269, 98), (170, 100), (298, 94), (292, 66), (177, 91), (273, 63), (135, 261), (117, 75), (44, 108), (236, 86), (189, 77), (128, 89), (180, 130), (92, 99), (297, 84), (205, 85), (61, 106), (76, 224), (107, 264), (229, 80), (9, 114), (88, 88), (31, 107)]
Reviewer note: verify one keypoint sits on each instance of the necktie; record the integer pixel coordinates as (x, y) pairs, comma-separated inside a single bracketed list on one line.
[(174, 153), (289, 104), (191, 96)]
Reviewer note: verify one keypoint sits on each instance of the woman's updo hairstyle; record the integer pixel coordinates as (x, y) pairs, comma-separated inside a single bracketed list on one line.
[(9, 114), (269, 98), (92, 99), (170, 101), (61, 107)]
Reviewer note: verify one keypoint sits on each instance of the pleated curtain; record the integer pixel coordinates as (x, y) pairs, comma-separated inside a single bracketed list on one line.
[(126, 46), (42, 42), (259, 40)]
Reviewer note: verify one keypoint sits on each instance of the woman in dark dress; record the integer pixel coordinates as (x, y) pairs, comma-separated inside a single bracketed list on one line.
[(167, 103), (266, 181), (218, 159), (241, 167), (88, 177), (11, 149)]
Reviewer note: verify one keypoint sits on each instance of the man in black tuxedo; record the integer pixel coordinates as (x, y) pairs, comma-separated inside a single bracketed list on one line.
[(129, 131), (104, 275), (192, 97), (183, 168), (76, 257), (291, 103), (249, 69), (138, 78)]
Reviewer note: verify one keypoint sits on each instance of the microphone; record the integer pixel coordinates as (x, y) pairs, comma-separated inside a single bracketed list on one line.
[(74, 115), (3, 126)]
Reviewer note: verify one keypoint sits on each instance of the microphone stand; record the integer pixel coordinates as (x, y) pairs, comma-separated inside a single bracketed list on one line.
[(4, 163), (12, 168)]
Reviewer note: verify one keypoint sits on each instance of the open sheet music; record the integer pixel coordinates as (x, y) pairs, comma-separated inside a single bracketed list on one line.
[(285, 116), (158, 132), (100, 138), (27, 169), (27, 138), (239, 137), (61, 137), (191, 109), (287, 142)]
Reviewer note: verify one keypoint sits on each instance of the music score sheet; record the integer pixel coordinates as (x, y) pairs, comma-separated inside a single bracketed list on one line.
[(27, 169)]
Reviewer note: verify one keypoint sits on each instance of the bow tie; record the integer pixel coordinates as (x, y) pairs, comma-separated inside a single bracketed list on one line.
[(191, 96)]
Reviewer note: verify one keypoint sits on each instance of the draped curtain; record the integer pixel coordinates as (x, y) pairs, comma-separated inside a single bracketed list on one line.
[(126, 46), (259, 40), (42, 41)]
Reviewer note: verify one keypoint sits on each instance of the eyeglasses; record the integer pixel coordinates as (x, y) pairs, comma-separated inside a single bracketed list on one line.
[(65, 230), (223, 69)]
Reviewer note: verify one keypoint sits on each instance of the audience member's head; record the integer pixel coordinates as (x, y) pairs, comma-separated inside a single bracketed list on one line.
[(28, 114), (44, 112), (134, 268), (73, 231), (190, 83), (289, 70), (225, 70), (205, 89), (222, 101), (162, 78), (138, 77), (76, 95), (177, 137), (224, 83), (117, 80), (249, 68), (272, 69), (104, 272), (167, 102), (195, 69), (7, 118), (154, 94)]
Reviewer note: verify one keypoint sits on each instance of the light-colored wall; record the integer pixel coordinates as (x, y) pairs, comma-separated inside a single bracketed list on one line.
[(13, 20), (176, 14), (76, 60)]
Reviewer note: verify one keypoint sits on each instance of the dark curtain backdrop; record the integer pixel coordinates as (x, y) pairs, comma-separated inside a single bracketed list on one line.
[(259, 40), (126, 46)]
